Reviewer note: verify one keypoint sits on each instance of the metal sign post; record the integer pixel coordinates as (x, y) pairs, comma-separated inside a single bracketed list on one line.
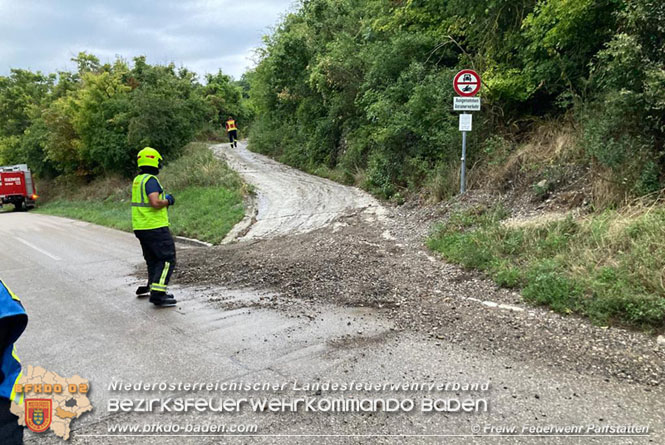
[(466, 84), (462, 186), (465, 125)]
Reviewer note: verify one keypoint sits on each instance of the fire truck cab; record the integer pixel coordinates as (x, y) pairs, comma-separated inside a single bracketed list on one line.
[(17, 187)]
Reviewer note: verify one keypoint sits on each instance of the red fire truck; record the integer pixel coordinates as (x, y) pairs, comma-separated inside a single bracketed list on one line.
[(17, 187)]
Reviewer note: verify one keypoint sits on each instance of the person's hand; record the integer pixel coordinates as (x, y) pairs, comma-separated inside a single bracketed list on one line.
[(170, 199)]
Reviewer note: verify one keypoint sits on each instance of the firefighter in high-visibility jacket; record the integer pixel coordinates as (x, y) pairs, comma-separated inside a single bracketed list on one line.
[(13, 320), (232, 130), (150, 222)]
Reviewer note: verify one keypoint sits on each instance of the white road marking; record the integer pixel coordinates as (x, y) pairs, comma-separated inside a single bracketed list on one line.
[(53, 257), (510, 307), (492, 304)]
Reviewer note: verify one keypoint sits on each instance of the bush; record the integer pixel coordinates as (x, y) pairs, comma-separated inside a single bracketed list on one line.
[(548, 285), (92, 123), (624, 123), (382, 173), (198, 167)]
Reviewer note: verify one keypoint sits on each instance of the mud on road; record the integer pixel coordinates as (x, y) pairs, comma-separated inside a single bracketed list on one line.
[(355, 266), (288, 201), (355, 252)]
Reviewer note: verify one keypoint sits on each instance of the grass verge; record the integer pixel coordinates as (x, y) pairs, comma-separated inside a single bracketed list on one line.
[(209, 197), (607, 266)]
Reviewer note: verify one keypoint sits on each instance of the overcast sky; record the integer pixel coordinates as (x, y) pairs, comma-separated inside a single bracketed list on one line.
[(203, 35)]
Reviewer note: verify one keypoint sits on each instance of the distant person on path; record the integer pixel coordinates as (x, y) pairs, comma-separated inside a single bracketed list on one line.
[(13, 321), (150, 222), (232, 130)]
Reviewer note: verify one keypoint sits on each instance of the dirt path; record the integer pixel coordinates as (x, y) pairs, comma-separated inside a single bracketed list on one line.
[(289, 201)]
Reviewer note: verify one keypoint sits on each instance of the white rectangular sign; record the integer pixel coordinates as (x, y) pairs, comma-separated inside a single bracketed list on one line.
[(465, 122), (466, 104)]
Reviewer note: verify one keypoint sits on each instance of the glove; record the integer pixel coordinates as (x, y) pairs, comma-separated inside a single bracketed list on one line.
[(170, 199)]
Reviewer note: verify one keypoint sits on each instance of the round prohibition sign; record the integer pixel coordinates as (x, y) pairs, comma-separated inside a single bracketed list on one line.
[(467, 83)]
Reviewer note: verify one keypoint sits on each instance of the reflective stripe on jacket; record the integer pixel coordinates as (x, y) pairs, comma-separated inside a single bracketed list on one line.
[(12, 314), (145, 216)]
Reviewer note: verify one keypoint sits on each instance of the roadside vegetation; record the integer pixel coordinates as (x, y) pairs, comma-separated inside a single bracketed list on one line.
[(361, 91), (209, 197), (91, 123), (608, 266), (80, 131)]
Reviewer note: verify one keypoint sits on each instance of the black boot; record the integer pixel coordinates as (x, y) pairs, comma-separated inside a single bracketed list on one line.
[(143, 291), (162, 299)]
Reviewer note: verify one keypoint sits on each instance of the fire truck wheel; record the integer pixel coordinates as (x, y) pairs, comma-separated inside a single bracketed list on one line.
[(19, 206)]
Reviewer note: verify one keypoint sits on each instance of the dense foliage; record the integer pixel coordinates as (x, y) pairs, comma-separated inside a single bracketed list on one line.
[(93, 122), (363, 88)]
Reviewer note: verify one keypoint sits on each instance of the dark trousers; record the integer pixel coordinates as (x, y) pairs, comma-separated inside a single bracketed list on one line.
[(11, 433), (159, 253), (233, 136)]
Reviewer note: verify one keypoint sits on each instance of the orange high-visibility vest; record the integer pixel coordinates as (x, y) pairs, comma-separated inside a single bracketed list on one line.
[(231, 125)]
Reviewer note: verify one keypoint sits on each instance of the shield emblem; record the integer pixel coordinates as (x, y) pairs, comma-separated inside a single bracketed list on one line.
[(38, 414)]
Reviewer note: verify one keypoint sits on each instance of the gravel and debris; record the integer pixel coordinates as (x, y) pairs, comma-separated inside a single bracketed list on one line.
[(384, 265)]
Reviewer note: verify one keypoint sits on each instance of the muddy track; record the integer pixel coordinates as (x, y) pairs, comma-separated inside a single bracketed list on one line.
[(288, 201)]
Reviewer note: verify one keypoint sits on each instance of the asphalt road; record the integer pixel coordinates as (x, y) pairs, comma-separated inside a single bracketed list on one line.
[(76, 281)]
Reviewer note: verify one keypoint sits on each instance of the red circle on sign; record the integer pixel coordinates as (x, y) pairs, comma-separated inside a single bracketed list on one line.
[(467, 83)]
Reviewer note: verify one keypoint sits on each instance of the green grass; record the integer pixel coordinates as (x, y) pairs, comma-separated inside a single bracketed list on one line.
[(209, 198), (608, 267), (108, 213), (206, 213)]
